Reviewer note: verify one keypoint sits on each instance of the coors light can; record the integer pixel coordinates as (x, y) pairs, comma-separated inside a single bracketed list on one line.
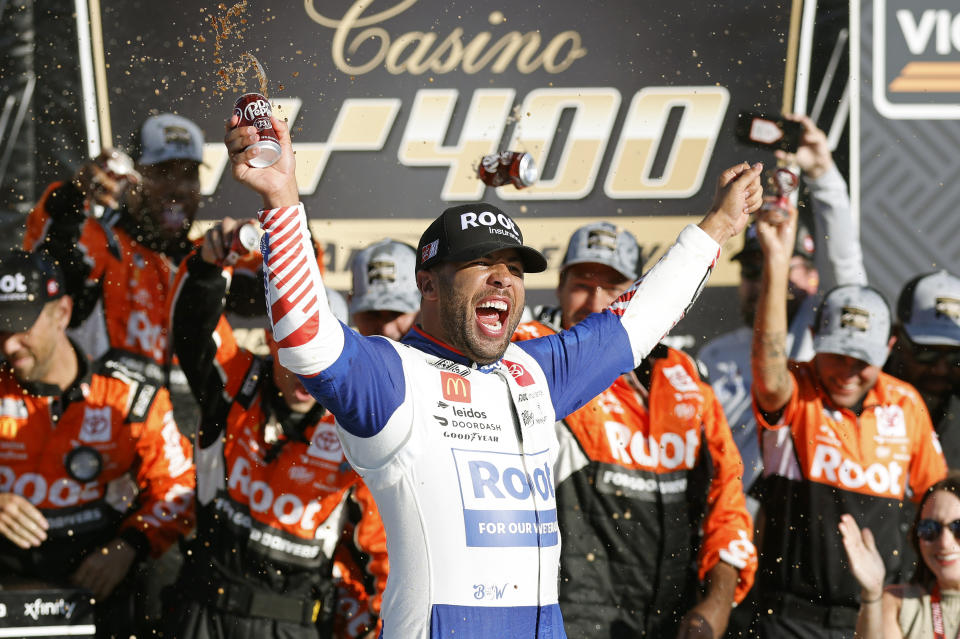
[(253, 109), (513, 167)]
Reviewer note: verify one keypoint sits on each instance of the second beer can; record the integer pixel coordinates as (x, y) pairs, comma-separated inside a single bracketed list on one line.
[(253, 109), (245, 240), (514, 167)]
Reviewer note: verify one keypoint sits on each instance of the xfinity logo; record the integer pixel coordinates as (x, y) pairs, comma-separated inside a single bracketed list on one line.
[(40, 608)]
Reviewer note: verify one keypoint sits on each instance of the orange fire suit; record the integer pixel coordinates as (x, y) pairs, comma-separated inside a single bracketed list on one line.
[(649, 499), (820, 462), (109, 264), (100, 460), (287, 533)]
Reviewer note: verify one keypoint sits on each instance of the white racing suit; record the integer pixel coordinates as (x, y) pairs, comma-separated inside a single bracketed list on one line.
[(458, 457)]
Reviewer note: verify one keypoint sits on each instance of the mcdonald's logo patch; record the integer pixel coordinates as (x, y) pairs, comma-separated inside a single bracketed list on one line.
[(8, 427), (455, 388)]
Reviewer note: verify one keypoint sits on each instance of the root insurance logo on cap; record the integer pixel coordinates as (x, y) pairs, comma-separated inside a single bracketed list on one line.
[(473, 230)]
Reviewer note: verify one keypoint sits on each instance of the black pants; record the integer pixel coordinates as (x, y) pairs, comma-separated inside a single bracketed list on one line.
[(779, 627), (194, 620)]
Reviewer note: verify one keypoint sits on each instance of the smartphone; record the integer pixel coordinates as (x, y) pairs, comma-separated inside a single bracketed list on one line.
[(768, 131)]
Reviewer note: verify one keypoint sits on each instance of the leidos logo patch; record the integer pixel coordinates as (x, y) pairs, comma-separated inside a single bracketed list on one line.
[(916, 59), (455, 388)]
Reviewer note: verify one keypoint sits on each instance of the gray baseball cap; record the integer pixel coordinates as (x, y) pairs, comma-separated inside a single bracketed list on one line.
[(853, 321), (604, 243), (929, 309), (384, 278), (170, 137)]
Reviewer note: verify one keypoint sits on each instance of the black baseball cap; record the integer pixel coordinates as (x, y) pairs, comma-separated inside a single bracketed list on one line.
[(27, 282), (469, 231)]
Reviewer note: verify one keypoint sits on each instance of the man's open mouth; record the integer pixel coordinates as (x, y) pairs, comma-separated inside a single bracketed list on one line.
[(492, 316)]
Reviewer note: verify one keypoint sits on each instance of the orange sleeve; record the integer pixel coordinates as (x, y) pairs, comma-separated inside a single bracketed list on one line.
[(165, 476), (362, 558), (727, 527), (92, 245)]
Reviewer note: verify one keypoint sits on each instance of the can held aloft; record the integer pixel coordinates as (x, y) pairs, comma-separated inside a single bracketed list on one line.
[(513, 167), (253, 109), (118, 165), (245, 240)]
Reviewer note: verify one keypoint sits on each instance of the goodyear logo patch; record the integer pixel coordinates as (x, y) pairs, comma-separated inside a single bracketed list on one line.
[(508, 499)]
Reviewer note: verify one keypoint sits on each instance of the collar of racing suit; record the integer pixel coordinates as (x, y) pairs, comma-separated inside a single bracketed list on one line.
[(422, 341), (74, 392)]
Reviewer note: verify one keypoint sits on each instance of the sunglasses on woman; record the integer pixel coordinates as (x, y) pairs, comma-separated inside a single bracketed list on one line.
[(930, 529)]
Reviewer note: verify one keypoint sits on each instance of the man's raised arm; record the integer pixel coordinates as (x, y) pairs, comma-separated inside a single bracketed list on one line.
[(675, 281), (296, 300), (772, 384)]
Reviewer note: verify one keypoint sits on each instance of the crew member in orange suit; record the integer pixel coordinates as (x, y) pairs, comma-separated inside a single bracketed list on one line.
[(839, 436), (94, 473), (289, 543), (657, 540)]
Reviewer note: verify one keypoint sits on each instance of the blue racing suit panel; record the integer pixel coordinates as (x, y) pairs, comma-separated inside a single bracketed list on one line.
[(344, 387), (567, 356)]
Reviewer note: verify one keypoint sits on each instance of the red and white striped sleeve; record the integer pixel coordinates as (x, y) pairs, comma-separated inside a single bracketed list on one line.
[(651, 307), (308, 335)]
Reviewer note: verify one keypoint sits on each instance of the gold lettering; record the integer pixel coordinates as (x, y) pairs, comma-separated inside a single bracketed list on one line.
[(414, 63), (452, 43), (340, 37), (553, 48), (395, 54)]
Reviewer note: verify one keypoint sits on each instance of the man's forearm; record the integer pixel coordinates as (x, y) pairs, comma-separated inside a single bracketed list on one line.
[(768, 358)]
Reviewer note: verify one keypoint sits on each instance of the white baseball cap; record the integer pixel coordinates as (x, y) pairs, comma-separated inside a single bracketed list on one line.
[(853, 321), (170, 137), (384, 278), (604, 243), (929, 309)]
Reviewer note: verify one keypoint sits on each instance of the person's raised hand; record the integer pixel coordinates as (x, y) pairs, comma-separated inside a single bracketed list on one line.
[(277, 183), (776, 230), (813, 155), (864, 558), (217, 241), (739, 193), (21, 522), (100, 186)]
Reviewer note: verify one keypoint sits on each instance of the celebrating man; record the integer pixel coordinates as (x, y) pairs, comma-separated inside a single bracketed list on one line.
[(453, 428)]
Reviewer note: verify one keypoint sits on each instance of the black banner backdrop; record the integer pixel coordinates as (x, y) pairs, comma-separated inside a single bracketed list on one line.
[(627, 107)]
